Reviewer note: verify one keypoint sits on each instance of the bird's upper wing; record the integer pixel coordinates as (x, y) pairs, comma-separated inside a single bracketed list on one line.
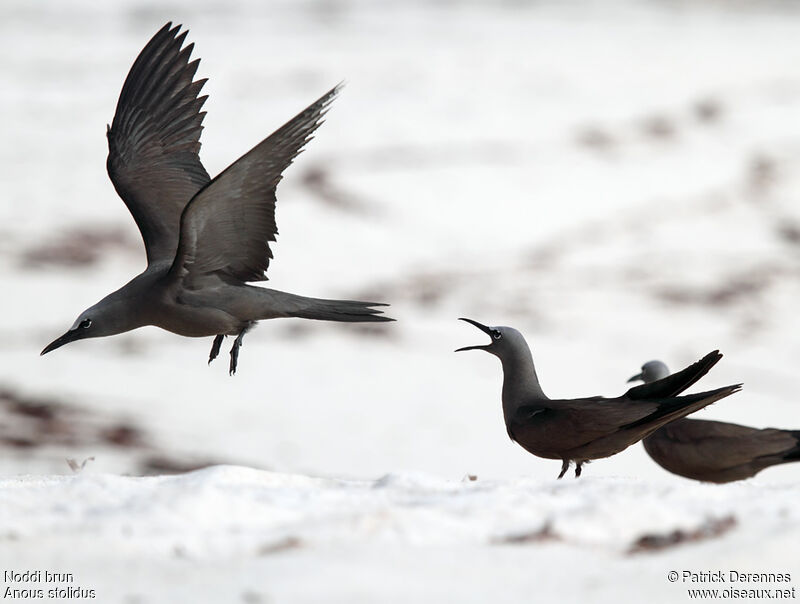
[(226, 228), (154, 140), (676, 383)]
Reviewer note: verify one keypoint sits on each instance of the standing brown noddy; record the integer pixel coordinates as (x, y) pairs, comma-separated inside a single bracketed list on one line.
[(205, 239), (584, 429), (713, 451)]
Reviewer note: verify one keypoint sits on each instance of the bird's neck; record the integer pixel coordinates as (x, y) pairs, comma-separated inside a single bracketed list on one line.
[(128, 307), (520, 382)]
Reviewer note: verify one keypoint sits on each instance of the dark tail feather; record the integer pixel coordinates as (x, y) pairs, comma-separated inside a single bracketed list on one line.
[(676, 383), (349, 311), (794, 454), (681, 406)]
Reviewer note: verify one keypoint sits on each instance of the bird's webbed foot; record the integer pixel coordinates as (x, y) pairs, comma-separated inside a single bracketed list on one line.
[(564, 468), (578, 465), (215, 347)]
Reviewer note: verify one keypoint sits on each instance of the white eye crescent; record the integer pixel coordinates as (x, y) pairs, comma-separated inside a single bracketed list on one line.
[(497, 335), (86, 323)]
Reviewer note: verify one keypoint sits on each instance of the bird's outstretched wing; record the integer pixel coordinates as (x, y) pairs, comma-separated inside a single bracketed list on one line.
[(226, 228), (154, 140)]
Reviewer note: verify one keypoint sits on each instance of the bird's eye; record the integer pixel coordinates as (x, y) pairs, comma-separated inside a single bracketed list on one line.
[(496, 335), (86, 323)]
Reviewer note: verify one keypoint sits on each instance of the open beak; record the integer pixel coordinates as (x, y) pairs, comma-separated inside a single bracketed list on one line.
[(68, 337), (483, 328), (637, 378)]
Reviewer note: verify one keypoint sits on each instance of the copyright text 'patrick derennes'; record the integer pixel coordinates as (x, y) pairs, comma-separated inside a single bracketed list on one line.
[(734, 584)]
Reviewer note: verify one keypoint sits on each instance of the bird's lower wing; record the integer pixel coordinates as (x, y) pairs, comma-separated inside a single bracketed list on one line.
[(574, 423)]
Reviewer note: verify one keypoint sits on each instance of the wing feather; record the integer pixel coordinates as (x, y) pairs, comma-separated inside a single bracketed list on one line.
[(154, 140), (674, 384), (227, 227)]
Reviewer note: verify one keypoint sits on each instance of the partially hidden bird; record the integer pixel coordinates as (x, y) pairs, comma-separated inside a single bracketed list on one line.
[(581, 430), (713, 451), (205, 239)]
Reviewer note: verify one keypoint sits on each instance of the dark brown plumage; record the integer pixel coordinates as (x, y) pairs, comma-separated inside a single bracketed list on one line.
[(581, 430), (712, 451)]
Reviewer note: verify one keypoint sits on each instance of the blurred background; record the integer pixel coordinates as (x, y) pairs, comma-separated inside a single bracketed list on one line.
[(618, 180)]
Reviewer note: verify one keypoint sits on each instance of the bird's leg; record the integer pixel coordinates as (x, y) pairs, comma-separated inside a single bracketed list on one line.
[(564, 468), (578, 465), (215, 347), (237, 344)]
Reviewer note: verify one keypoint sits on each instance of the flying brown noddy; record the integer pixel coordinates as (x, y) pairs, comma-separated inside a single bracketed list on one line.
[(205, 239), (713, 451), (584, 429)]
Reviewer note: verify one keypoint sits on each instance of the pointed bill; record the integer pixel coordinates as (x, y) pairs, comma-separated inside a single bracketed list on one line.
[(68, 337), (483, 328)]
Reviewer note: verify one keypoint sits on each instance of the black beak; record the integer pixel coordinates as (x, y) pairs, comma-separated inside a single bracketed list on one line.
[(68, 337), (483, 328), (636, 378)]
